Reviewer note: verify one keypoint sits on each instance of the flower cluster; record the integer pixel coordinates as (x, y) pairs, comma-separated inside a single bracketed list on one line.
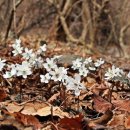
[(54, 72), (34, 60), (23, 70), (84, 67), (116, 74), (113, 73), (74, 84), (31, 60), (59, 74)]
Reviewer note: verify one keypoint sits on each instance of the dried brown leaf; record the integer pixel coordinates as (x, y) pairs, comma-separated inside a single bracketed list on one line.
[(127, 122), (123, 105), (13, 107), (117, 120), (100, 104), (53, 97), (47, 111), (28, 110), (72, 123), (28, 120)]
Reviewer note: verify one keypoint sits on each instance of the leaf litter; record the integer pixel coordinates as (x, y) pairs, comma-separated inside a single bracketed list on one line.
[(43, 107)]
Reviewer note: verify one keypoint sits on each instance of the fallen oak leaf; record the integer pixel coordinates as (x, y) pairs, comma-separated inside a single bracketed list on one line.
[(117, 120), (127, 122), (72, 123), (99, 88), (28, 109), (28, 120), (13, 107), (33, 107), (123, 105), (39, 105), (9, 119), (36, 108), (100, 104), (45, 111)]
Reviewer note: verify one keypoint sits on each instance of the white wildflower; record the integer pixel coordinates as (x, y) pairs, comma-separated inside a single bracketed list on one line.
[(7, 74), (2, 64), (32, 59), (45, 78), (58, 73), (17, 47), (77, 64), (13, 69), (88, 60), (12, 72), (67, 80), (50, 64), (99, 62), (113, 72), (77, 78), (18, 41), (24, 69), (83, 71), (27, 54), (74, 84), (38, 62), (42, 49)]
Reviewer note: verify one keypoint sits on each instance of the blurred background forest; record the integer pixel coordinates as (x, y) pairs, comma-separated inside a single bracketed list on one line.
[(97, 25)]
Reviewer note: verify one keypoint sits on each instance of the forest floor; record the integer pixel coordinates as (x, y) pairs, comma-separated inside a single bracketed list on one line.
[(28, 104)]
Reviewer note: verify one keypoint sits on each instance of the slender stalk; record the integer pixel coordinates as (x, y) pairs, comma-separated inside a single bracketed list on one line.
[(63, 94), (52, 113), (20, 100), (78, 105), (110, 95)]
